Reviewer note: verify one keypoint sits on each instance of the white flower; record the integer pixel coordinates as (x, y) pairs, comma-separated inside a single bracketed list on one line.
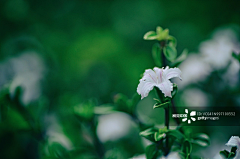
[(234, 141), (158, 77)]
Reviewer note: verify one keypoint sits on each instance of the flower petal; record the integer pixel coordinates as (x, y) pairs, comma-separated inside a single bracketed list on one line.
[(172, 72), (166, 87), (159, 74), (144, 87), (234, 141), (150, 76)]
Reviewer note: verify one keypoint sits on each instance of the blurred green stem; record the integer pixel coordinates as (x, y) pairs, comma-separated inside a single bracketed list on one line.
[(166, 109)]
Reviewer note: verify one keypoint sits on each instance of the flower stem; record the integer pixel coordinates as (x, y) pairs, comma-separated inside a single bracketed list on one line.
[(167, 117), (166, 109)]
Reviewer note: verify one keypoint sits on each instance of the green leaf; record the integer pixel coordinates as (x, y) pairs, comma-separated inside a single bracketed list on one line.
[(85, 110), (151, 35), (231, 155), (177, 134), (234, 149), (151, 151), (163, 130), (224, 154), (170, 52), (135, 99), (149, 133), (172, 41), (163, 35), (180, 59), (15, 120), (159, 30), (237, 57), (122, 103), (201, 139), (156, 53), (158, 136), (161, 105), (175, 90), (57, 150), (187, 148), (160, 95)]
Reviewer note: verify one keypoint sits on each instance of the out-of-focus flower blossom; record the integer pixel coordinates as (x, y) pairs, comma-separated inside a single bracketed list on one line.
[(158, 77), (26, 70), (194, 69), (215, 54), (112, 127), (195, 97), (55, 133), (234, 141)]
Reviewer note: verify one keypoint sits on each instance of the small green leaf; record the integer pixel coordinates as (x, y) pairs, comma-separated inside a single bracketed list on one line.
[(163, 35), (159, 30), (156, 53), (224, 154), (57, 150), (175, 90), (161, 105), (237, 57), (234, 149), (151, 151), (163, 130), (122, 103), (172, 41), (149, 133), (177, 134), (170, 52), (160, 95), (180, 59), (135, 99), (182, 155), (85, 110), (151, 35), (187, 147), (158, 136), (231, 155), (201, 139)]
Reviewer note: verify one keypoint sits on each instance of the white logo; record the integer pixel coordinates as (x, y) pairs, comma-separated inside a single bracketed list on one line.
[(193, 113)]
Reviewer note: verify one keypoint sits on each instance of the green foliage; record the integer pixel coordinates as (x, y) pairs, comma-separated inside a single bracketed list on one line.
[(159, 35), (229, 155), (170, 52), (85, 111), (180, 59), (163, 101), (149, 134), (236, 56), (186, 149), (156, 53), (201, 139), (152, 151), (124, 104)]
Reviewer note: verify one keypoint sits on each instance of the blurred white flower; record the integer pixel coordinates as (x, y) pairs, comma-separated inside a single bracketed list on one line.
[(234, 141), (55, 134), (194, 70), (218, 50), (158, 77), (215, 54), (112, 127), (26, 70), (195, 97)]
